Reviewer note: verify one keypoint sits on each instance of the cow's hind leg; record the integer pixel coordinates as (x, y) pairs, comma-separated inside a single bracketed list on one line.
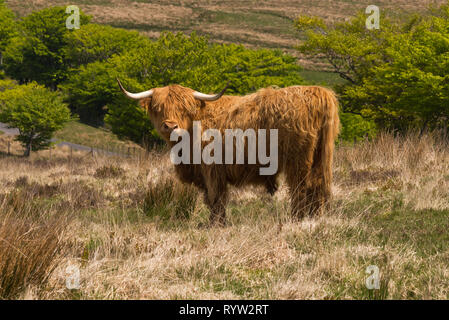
[(318, 191), (298, 173), (298, 194)]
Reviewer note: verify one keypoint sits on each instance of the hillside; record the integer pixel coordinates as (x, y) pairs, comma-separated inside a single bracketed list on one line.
[(252, 23)]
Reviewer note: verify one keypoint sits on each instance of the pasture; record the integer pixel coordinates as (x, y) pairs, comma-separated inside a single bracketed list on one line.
[(135, 233)]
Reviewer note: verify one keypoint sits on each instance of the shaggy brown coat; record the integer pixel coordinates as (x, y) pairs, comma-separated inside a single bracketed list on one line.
[(307, 121)]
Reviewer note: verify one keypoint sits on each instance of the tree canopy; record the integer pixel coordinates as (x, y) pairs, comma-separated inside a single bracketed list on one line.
[(36, 53), (36, 111), (397, 76), (8, 28)]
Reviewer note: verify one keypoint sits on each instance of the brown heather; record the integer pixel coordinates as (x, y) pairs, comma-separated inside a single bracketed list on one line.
[(390, 209)]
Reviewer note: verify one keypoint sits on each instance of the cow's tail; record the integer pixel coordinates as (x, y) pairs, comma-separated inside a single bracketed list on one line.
[(329, 133)]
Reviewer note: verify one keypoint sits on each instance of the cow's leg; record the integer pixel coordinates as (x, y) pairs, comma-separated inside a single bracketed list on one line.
[(298, 177), (318, 192), (271, 184), (298, 193), (216, 198), (217, 206), (315, 196)]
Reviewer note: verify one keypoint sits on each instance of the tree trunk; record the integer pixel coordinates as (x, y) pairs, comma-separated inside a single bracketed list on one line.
[(423, 128), (28, 149)]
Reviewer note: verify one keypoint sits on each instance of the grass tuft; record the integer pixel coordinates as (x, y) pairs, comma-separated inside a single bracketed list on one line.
[(168, 199)]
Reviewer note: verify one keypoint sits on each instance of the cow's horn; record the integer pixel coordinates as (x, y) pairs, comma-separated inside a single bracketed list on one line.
[(210, 97), (135, 96)]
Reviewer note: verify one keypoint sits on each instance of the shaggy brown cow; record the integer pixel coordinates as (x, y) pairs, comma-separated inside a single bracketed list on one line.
[(307, 121)]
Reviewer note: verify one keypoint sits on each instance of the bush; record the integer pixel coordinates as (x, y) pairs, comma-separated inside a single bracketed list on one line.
[(27, 252), (94, 42), (36, 53), (355, 128), (109, 171), (168, 199), (36, 111), (8, 29), (396, 76)]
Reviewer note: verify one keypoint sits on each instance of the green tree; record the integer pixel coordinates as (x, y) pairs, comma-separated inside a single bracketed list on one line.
[(36, 111), (396, 76), (37, 53), (356, 128), (91, 88), (8, 28), (94, 42), (412, 89), (249, 70)]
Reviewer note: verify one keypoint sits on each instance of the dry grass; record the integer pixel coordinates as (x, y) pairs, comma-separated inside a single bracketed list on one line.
[(391, 209)]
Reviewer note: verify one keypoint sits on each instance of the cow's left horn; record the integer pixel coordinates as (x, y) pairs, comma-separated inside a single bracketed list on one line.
[(210, 97), (135, 96)]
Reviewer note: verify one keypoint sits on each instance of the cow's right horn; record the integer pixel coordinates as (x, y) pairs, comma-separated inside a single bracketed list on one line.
[(210, 97), (135, 96)]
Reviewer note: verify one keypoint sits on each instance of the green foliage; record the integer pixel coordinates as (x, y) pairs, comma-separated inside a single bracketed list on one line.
[(8, 28), (7, 84), (36, 111), (355, 127), (249, 70), (396, 76), (412, 89), (37, 53), (90, 88), (95, 42)]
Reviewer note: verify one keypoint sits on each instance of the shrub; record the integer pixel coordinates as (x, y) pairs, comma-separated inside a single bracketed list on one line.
[(37, 52), (109, 171), (168, 199), (27, 252), (396, 76), (36, 111), (355, 128)]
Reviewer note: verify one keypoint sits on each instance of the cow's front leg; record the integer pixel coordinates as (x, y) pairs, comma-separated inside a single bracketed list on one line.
[(217, 205), (216, 198)]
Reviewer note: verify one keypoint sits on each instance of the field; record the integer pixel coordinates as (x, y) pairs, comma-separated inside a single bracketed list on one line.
[(267, 24), (133, 232)]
